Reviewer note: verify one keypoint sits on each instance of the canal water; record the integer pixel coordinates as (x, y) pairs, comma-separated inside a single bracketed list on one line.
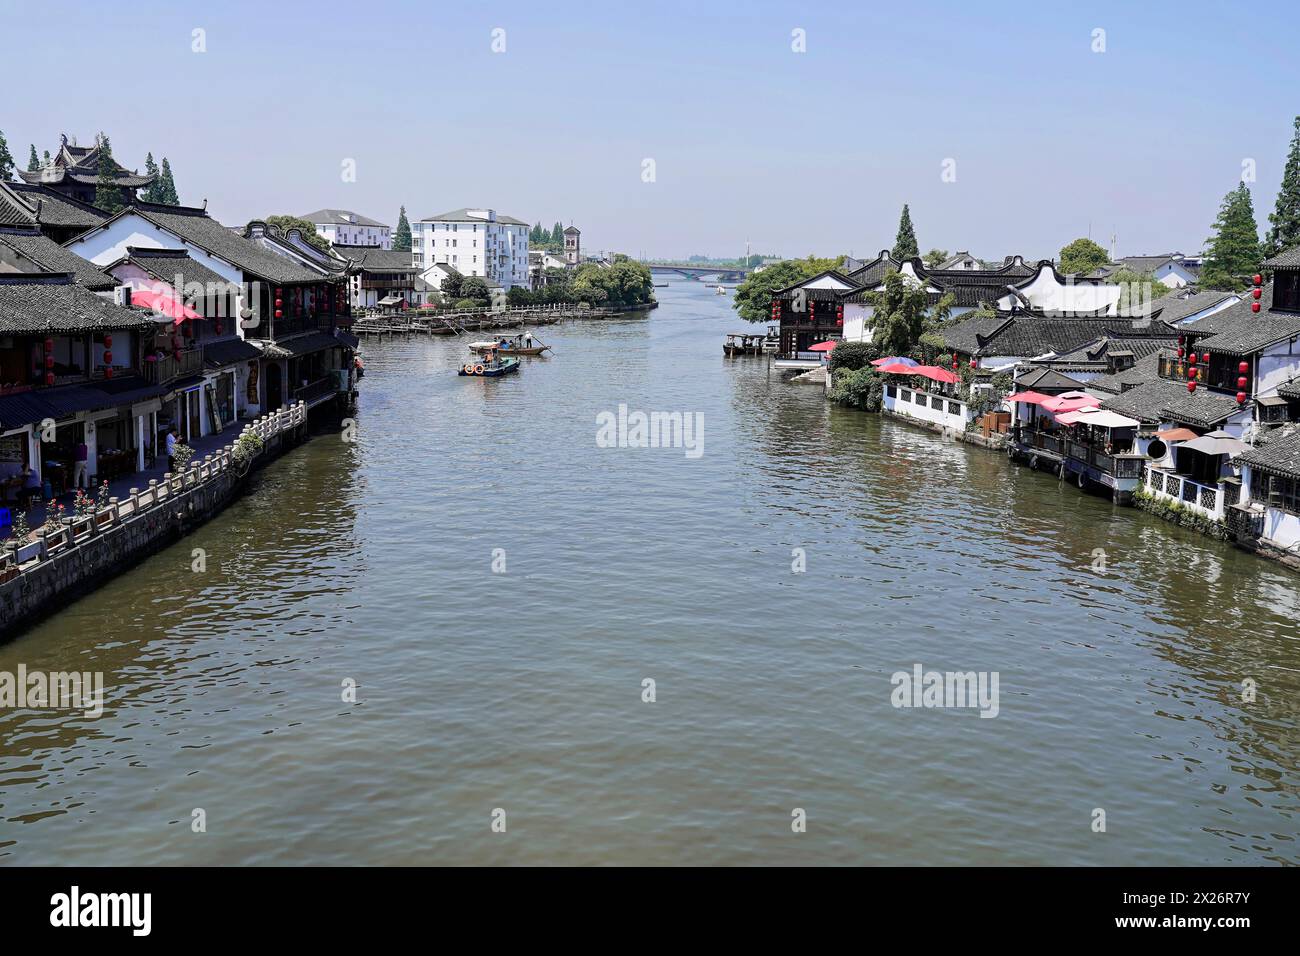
[(500, 587)]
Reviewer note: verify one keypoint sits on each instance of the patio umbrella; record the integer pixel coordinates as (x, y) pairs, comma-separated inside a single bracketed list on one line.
[(1030, 397), (937, 374), (895, 360), (1066, 403), (1176, 434), (823, 346), (1216, 443), (164, 304)]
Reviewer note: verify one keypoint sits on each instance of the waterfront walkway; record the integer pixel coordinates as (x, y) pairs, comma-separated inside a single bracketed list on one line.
[(121, 487)]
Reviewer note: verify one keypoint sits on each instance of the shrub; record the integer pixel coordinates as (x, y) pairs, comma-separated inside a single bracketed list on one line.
[(851, 356), (467, 304), (862, 388), (246, 448)]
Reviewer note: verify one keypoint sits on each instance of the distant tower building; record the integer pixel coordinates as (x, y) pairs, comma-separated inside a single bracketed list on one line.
[(572, 246)]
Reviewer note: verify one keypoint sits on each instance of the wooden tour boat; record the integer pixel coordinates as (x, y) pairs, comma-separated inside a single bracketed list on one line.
[(491, 365), (525, 343)]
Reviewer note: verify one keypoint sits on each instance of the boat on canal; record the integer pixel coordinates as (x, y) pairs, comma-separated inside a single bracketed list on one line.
[(525, 343), (492, 365)]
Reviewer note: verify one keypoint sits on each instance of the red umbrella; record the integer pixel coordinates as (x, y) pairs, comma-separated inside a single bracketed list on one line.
[(164, 303), (823, 346)]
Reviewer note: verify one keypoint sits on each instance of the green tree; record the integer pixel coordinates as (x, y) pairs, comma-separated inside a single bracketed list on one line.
[(934, 257), (905, 243), (451, 286), (1233, 252), (1081, 257), (862, 388), (851, 356), (6, 161), (1134, 289), (153, 191), (304, 226), (476, 288), (753, 297), (108, 194), (33, 164), (1285, 217), (168, 192), (535, 235), (402, 235), (898, 315)]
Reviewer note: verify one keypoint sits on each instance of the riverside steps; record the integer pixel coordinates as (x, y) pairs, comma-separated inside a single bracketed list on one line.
[(79, 553)]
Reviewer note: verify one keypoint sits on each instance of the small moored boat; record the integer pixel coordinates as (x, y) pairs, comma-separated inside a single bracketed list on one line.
[(525, 343), (492, 365)]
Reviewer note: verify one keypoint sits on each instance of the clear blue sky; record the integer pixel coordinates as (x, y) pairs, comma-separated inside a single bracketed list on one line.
[(798, 153)]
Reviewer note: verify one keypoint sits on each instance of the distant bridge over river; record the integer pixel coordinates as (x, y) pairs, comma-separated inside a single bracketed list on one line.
[(725, 273)]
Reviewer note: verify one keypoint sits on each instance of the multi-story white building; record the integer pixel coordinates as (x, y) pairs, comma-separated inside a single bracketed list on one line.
[(474, 242), (346, 228)]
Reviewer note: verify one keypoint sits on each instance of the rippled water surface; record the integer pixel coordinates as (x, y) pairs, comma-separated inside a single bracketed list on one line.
[(372, 561)]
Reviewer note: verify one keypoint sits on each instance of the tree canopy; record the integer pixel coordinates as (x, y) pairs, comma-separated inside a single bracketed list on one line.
[(1284, 220), (1233, 252), (108, 195), (905, 246), (899, 315), (402, 234), (168, 193), (934, 257), (33, 164), (305, 226), (1082, 256)]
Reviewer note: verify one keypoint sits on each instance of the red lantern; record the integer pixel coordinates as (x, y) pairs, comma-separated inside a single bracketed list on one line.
[(1258, 279), (49, 361), (1182, 339), (1241, 382), (1180, 351), (1191, 373), (954, 364), (1254, 307), (279, 303), (1256, 293), (1192, 358), (974, 363), (1243, 367), (49, 378), (278, 291), (216, 327), (1241, 397), (279, 314), (108, 372), (108, 358), (1191, 386), (839, 321), (108, 341), (49, 345), (1205, 357)]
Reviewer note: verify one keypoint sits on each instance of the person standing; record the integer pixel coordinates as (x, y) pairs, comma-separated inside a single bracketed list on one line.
[(79, 466), (171, 450)]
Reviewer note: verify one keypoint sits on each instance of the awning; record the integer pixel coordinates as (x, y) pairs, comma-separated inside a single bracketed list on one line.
[(165, 304), (1097, 418), (229, 352), (1029, 397), (302, 345)]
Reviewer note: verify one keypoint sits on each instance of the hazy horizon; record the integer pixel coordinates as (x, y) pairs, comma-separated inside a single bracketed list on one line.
[(796, 153)]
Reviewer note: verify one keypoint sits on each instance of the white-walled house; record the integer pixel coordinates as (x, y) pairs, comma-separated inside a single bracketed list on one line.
[(347, 228), (809, 312), (474, 242), (1172, 269), (1047, 290), (1268, 513)]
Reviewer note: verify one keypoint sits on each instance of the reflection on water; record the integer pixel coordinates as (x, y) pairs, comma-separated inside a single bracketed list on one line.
[(371, 562)]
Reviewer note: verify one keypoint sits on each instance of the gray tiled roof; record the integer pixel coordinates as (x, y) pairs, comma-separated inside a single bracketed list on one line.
[(462, 215), (52, 257), (196, 227), (1173, 310), (1147, 401), (1201, 407), (1277, 453), (375, 259), (1239, 331), (166, 264), (341, 217), (33, 304), (56, 209), (1286, 259), (1146, 369)]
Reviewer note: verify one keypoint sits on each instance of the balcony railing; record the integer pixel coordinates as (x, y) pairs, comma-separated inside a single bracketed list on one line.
[(321, 388), (1116, 465), (1207, 499), (169, 368)]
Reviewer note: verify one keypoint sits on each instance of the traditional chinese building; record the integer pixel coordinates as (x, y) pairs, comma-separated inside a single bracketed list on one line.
[(74, 172)]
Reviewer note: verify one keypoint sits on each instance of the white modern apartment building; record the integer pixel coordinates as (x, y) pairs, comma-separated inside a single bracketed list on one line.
[(347, 228), (474, 242)]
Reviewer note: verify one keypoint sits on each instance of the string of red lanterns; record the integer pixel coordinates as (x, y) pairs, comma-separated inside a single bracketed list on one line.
[(1256, 292)]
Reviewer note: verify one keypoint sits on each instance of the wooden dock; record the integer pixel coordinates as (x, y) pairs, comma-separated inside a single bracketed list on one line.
[(456, 322)]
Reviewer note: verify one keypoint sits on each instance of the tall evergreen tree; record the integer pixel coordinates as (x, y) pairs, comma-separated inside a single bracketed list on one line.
[(1233, 252), (153, 190), (6, 161), (168, 193), (557, 236), (1285, 217), (535, 235), (46, 157), (33, 164), (905, 246), (108, 194), (402, 235)]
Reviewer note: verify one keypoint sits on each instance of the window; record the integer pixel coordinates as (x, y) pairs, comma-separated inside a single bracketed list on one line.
[(1276, 491)]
